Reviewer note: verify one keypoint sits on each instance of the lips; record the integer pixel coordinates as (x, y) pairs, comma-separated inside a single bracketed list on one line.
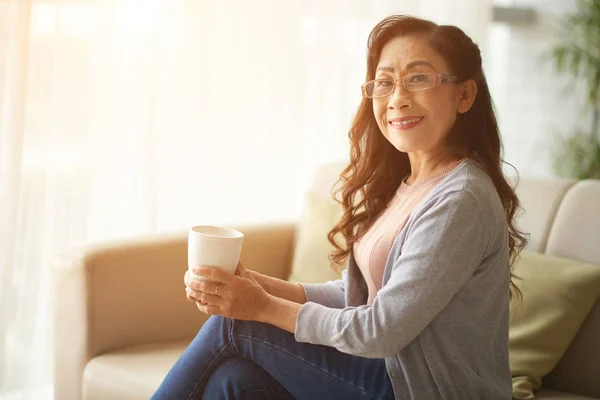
[(405, 122)]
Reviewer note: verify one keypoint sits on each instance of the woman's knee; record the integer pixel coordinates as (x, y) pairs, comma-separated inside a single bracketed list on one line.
[(256, 329), (241, 334), (216, 325), (226, 327), (216, 320)]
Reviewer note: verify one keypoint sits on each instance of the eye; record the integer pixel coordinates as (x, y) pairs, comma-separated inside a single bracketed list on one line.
[(383, 83), (418, 78)]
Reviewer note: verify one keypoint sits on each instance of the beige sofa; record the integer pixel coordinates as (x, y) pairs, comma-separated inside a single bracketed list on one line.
[(121, 317)]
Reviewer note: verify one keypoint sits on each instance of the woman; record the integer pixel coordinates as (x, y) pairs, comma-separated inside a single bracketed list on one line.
[(422, 310)]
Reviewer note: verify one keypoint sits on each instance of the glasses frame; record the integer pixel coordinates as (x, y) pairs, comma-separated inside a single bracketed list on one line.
[(438, 80)]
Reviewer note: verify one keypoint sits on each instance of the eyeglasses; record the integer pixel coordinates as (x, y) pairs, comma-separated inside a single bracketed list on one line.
[(412, 82)]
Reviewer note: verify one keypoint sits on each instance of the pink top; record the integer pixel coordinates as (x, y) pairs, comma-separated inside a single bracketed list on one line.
[(371, 250)]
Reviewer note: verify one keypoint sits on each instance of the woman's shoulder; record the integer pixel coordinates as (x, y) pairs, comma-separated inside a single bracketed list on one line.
[(470, 185), (470, 178), (465, 198)]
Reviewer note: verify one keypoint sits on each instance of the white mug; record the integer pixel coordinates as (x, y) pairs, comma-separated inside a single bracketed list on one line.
[(215, 247)]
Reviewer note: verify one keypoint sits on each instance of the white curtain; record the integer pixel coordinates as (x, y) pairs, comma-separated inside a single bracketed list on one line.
[(130, 117)]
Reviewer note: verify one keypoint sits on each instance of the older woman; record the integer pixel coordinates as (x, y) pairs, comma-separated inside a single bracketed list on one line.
[(422, 309)]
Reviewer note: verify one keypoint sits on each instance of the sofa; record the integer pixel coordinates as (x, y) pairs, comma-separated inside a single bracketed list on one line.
[(122, 319)]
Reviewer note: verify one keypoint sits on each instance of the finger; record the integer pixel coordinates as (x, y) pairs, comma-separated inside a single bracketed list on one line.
[(211, 299), (192, 298), (208, 310), (205, 298), (190, 294), (213, 274), (206, 287), (194, 295), (240, 268)]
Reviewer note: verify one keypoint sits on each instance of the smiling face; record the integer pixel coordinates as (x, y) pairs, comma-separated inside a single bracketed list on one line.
[(416, 121)]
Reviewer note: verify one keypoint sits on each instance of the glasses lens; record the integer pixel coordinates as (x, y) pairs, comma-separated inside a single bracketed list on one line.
[(379, 87), (419, 81)]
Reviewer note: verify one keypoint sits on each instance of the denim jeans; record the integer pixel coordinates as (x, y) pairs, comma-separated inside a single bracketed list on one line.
[(233, 359)]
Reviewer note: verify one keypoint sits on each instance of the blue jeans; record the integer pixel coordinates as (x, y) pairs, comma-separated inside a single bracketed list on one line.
[(233, 359)]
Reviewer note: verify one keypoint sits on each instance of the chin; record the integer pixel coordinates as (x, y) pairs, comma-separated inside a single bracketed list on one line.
[(408, 142), (403, 145)]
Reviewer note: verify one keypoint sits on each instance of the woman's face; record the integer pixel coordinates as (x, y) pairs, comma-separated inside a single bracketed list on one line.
[(416, 121)]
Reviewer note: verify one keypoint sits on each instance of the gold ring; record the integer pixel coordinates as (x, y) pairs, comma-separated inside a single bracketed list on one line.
[(216, 290)]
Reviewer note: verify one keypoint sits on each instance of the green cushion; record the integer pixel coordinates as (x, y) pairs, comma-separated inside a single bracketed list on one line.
[(558, 295)]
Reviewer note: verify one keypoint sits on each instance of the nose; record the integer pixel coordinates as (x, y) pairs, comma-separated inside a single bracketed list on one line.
[(400, 98)]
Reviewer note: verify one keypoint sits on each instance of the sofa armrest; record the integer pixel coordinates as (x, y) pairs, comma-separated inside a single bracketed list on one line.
[(125, 293)]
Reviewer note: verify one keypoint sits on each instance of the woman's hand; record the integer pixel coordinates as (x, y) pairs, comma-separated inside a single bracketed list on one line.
[(236, 296)]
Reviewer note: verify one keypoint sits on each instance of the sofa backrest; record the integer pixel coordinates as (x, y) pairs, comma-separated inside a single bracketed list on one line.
[(562, 218)]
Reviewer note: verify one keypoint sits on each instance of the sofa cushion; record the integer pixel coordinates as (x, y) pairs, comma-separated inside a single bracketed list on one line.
[(311, 253), (133, 373), (558, 295), (578, 369), (545, 394)]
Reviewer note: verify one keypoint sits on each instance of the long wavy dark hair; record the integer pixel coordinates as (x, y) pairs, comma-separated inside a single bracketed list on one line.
[(377, 168)]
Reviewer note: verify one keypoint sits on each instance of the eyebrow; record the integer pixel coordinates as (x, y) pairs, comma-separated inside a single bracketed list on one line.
[(408, 66)]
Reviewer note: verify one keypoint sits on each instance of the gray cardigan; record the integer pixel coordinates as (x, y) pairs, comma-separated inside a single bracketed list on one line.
[(441, 318)]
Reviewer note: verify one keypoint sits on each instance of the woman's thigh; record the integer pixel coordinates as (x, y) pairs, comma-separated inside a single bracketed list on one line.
[(306, 370)]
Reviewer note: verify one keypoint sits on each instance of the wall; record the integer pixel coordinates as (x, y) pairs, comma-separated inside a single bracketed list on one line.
[(533, 103)]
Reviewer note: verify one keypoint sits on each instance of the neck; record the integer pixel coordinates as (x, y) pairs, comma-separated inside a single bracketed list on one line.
[(426, 165)]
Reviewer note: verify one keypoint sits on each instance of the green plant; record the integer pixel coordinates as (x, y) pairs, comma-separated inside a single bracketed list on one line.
[(578, 54), (578, 157)]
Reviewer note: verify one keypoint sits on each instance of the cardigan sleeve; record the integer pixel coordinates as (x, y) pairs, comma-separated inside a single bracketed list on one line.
[(329, 294)]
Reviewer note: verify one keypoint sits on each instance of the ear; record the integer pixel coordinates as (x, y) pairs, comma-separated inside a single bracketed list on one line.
[(467, 93)]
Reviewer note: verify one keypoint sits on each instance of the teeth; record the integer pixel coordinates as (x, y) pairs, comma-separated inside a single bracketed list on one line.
[(406, 122)]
